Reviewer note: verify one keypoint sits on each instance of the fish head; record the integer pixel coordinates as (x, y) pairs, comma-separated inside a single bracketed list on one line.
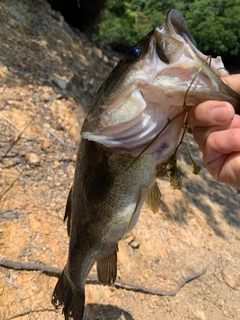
[(144, 98)]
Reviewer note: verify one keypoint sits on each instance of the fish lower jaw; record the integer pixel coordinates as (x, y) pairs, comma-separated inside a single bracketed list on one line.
[(161, 147), (162, 139)]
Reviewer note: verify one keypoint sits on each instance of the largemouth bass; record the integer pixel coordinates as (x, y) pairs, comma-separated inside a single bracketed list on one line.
[(142, 97)]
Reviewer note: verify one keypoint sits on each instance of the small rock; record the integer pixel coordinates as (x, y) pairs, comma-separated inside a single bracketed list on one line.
[(12, 214), (9, 279), (238, 237), (55, 164), (105, 59), (199, 315), (220, 303), (98, 52), (232, 278), (46, 144), (33, 158), (61, 84), (135, 244), (75, 132)]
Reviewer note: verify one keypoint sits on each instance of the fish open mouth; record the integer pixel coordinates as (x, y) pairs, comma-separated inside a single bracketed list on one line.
[(145, 99)]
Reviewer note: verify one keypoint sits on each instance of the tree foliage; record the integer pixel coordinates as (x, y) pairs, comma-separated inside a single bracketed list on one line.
[(215, 24)]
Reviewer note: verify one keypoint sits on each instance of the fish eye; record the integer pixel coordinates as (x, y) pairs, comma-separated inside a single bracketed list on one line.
[(132, 53)]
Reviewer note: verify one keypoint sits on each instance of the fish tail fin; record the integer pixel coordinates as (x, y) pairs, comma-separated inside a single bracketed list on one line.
[(72, 300)]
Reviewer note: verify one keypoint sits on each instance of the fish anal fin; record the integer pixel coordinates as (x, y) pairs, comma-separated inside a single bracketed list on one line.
[(153, 198), (107, 268)]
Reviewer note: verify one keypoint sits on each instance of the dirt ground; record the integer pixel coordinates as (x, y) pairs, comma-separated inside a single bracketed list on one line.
[(40, 122)]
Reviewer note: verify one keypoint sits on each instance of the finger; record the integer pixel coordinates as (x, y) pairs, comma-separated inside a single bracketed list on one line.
[(201, 134), (222, 156), (226, 169), (233, 81), (222, 142), (211, 113)]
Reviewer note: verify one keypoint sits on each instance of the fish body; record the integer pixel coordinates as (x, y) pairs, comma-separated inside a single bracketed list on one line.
[(134, 104)]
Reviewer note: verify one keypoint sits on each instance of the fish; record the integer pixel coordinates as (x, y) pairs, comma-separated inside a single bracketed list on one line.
[(142, 105)]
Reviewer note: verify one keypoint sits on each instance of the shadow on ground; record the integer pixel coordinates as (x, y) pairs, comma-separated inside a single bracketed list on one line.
[(208, 196), (110, 312)]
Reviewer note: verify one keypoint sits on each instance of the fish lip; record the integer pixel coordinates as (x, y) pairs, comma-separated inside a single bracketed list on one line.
[(172, 36), (177, 24), (176, 27)]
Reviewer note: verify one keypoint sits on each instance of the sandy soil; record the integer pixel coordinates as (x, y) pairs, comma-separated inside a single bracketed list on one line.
[(39, 134)]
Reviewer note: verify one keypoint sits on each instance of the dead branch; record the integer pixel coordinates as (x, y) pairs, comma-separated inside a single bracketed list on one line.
[(30, 311), (9, 188), (27, 137), (92, 278), (56, 136), (15, 141), (10, 122)]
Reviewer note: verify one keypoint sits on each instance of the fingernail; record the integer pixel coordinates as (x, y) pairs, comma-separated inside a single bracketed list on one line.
[(220, 114)]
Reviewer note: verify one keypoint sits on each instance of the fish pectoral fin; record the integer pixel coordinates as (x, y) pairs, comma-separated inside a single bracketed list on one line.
[(67, 215), (153, 198), (107, 268), (135, 215)]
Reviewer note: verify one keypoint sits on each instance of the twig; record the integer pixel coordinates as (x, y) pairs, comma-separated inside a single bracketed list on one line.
[(15, 141), (30, 311), (223, 275), (55, 136), (28, 137), (10, 122), (9, 188), (48, 270), (121, 284), (13, 164)]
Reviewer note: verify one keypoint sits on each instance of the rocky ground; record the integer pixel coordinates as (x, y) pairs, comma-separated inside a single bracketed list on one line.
[(48, 76)]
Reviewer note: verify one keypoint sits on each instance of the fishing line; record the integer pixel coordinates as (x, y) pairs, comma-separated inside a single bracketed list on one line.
[(169, 121)]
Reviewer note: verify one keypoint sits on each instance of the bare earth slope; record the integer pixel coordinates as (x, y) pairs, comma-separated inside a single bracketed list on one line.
[(39, 135)]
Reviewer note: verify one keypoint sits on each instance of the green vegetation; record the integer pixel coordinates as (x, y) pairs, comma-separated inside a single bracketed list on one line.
[(215, 24)]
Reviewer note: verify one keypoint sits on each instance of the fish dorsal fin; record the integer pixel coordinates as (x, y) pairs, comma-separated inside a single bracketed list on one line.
[(107, 268), (153, 198), (67, 215)]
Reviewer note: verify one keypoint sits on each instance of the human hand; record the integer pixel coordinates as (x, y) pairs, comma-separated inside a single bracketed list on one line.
[(216, 129)]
